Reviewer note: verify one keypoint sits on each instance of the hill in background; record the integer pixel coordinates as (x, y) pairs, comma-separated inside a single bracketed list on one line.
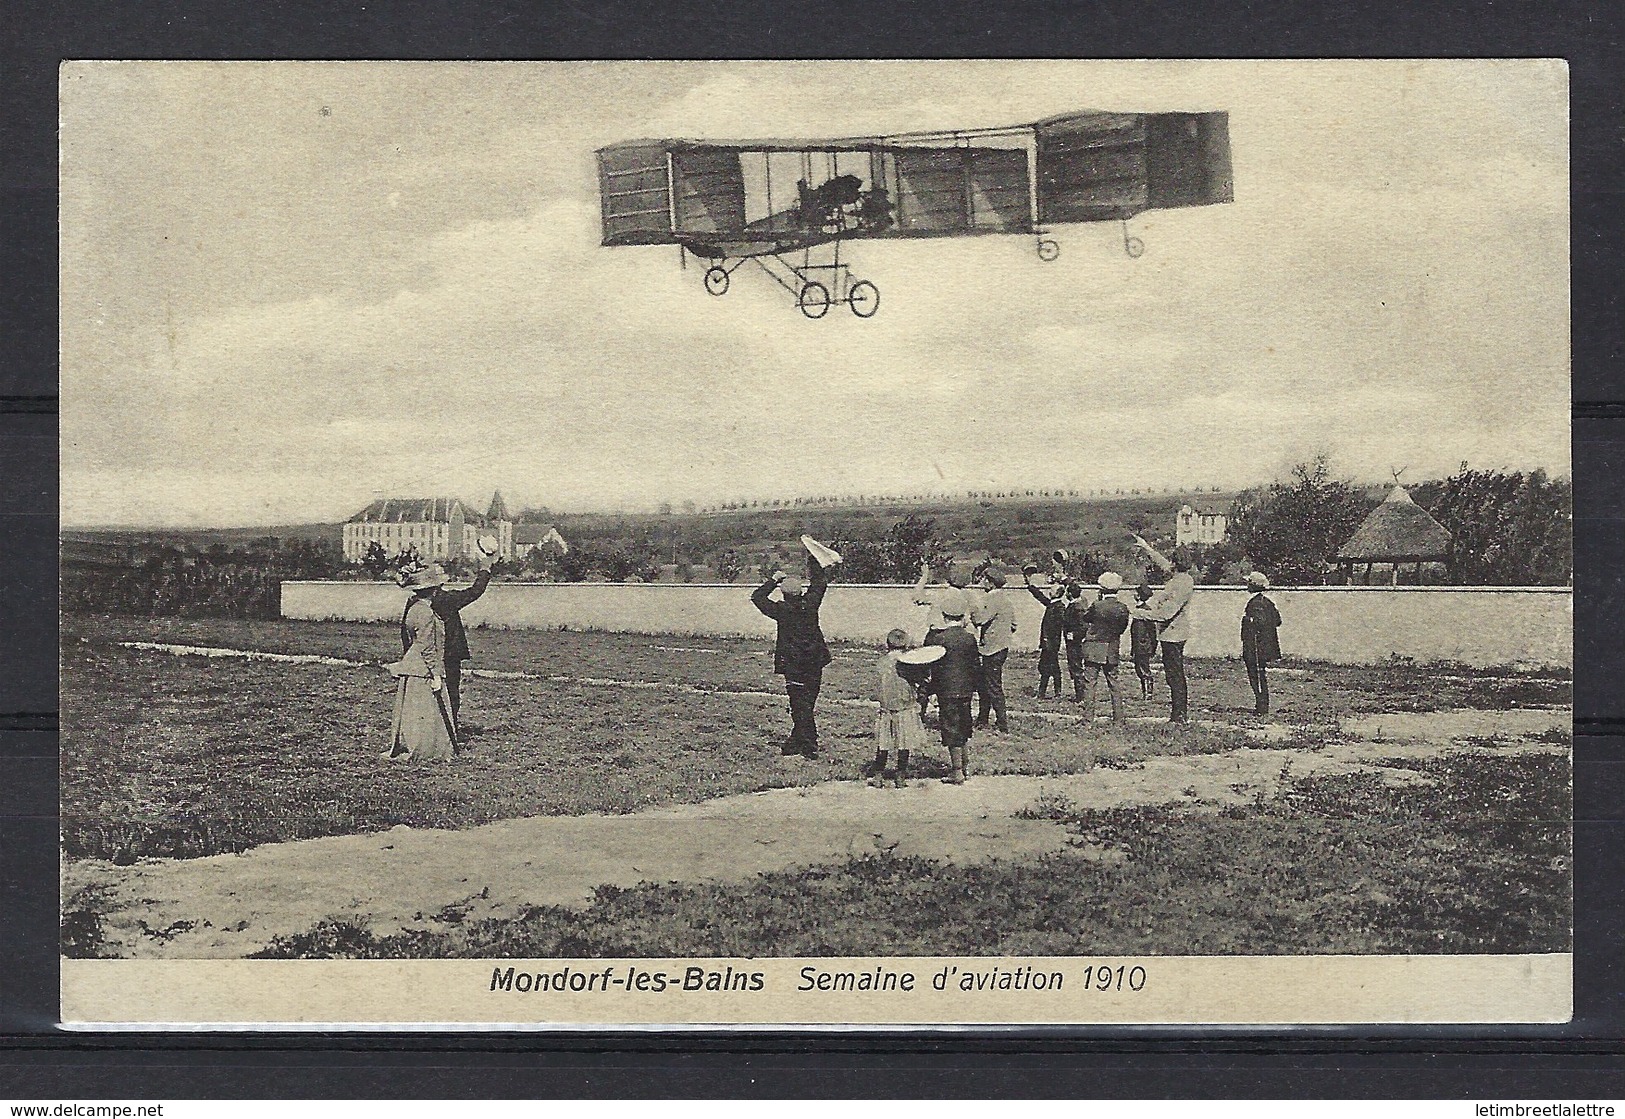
[(1009, 527), (1015, 529)]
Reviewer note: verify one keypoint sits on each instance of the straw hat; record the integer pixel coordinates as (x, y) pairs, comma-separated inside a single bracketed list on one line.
[(424, 578), (1110, 582), (951, 605), (1258, 579), (791, 586)]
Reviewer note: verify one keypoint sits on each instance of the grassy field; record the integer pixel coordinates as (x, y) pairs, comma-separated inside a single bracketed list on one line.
[(183, 756), (188, 756), (1476, 859), (1303, 692)]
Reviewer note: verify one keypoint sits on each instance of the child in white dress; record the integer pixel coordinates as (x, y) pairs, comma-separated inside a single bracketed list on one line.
[(898, 729)]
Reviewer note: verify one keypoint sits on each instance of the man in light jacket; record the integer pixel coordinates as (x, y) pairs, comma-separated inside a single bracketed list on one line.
[(1170, 609), (994, 616)]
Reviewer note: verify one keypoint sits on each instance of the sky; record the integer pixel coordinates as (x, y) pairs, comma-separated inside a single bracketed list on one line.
[(290, 288)]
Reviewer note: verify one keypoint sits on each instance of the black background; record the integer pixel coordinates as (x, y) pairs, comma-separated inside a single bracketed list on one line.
[(1582, 1059)]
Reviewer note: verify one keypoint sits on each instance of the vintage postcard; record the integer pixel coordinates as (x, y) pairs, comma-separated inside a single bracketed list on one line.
[(854, 544)]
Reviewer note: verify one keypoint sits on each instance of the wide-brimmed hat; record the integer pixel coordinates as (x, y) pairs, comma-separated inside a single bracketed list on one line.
[(1258, 579), (424, 578), (1110, 582)]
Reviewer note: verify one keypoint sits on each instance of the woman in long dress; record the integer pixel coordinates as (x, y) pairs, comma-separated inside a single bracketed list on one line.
[(422, 727)]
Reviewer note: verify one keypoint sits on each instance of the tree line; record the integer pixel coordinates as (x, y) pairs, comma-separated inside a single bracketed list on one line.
[(212, 581), (1508, 528)]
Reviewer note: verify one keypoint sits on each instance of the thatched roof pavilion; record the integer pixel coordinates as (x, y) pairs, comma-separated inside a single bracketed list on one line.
[(1397, 531)]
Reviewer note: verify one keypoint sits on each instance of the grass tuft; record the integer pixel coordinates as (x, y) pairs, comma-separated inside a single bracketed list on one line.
[(1475, 861)]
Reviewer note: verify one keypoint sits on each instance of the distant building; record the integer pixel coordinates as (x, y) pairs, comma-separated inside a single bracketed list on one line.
[(526, 537), (436, 528), (1397, 532), (1198, 526)]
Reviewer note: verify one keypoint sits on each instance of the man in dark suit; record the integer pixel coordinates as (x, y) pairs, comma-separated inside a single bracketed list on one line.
[(448, 604), (1260, 640), (799, 651), (1049, 631), (954, 680)]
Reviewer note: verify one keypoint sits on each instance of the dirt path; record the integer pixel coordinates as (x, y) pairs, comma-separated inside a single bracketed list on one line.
[(232, 905)]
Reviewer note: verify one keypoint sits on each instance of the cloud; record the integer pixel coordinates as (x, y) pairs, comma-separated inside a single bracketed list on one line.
[(1385, 283)]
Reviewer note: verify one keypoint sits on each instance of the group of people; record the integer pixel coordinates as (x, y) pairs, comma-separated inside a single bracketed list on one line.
[(969, 665), (429, 675), (971, 619), (1091, 632)]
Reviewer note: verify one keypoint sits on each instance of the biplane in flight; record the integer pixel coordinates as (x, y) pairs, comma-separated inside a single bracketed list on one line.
[(789, 205)]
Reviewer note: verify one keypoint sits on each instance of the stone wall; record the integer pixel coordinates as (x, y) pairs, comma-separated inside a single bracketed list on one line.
[(1482, 626)]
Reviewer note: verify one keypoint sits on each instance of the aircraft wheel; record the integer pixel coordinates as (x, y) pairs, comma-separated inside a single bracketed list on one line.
[(1048, 250), (864, 299), (813, 300), (1134, 247), (716, 280)]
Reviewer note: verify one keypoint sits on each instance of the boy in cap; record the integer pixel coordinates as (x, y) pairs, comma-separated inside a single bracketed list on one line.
[(994, 616), (1106, 620), (1142, 644), (1049, 631), (953, 679), (1260, 640), (898, 729), (799, 651)]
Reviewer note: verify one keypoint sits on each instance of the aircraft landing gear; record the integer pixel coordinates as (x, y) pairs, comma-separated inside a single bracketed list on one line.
[(716, 280), (1133, 246), (813, 299), (864, 299), (1048, 250)]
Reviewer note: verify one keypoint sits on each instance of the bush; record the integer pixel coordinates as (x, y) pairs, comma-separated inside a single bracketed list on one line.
[(728, 565), (1290, 530), (896, 557), (216, 581), (1506, 528)]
